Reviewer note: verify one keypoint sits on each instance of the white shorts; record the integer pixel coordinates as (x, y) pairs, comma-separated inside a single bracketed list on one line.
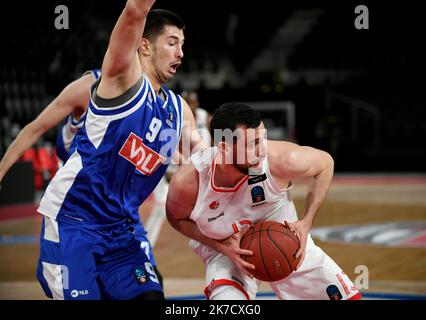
[(318, 278)]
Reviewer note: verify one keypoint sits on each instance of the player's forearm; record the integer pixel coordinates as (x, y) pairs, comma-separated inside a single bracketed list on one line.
[(25, 139), (189, 229), (317, 191)]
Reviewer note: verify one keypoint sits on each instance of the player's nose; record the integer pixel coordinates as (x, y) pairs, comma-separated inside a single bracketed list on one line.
[(179, 52)]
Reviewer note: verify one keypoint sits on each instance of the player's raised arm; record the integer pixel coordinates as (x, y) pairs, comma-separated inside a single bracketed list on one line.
[(74, 96), (121, 67)]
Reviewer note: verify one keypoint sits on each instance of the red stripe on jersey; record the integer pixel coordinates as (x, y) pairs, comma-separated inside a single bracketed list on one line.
[(243, 222), (234, 226), (358, 296), (343, 284), (224, 282)]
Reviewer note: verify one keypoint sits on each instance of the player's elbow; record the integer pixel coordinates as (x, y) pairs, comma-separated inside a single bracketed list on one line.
[(329, 160), (172, 195), (171, 215), (327, 163)]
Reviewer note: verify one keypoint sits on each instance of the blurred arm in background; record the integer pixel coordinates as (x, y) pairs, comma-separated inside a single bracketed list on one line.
[(74, 98)]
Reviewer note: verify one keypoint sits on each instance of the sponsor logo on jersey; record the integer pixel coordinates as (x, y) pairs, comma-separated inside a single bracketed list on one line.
[(143, 158), (75, 293), (214, 205), (391, 234), (333, 292), (140, 275), (257, 179), (216, 217), (257, 194), (169, 121)]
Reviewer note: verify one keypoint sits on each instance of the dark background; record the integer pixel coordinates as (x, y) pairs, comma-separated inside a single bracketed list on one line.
[(359, 94)]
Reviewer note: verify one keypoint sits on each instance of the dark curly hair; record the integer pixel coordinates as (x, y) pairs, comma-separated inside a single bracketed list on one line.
[(230, 115), (157, 19)]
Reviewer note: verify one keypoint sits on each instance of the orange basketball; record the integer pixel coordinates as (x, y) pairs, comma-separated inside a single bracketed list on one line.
[(274, 246)]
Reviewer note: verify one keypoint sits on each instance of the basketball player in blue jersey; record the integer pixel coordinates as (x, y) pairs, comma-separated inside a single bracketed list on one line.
[(69, 108), (88, 249)]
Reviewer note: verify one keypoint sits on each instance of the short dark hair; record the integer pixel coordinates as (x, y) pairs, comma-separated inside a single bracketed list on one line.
[(230, 115), (157, 19)]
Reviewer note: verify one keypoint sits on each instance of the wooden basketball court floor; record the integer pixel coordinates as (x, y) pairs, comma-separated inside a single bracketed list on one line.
[(397, 271)]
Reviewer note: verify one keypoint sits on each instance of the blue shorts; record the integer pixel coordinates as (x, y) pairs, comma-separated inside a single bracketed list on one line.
[(141, 235), (77, 263)]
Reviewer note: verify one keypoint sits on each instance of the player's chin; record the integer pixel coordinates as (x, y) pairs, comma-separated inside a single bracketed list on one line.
[(171, 71), (168, 76), (242, 168)]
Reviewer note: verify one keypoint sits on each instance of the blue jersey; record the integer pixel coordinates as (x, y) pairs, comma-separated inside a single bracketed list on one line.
[(120, 155), (69, 129)]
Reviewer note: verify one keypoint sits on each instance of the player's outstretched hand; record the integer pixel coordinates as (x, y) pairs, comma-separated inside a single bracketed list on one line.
[(301, 229), (231, 248)]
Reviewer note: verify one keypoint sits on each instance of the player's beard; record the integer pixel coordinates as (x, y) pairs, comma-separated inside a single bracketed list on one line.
[(241, 168)]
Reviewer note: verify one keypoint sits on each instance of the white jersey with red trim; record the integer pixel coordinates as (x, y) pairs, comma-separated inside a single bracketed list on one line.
[(219, 212)]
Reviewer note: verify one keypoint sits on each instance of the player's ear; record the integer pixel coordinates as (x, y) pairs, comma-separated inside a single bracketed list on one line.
[(145, 47)]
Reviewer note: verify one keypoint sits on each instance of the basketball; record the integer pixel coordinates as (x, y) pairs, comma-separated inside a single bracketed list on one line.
[(274, 246)]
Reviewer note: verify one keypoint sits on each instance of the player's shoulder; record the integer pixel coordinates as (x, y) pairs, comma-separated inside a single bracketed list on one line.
[(77, 93), (281, 154), (83, 82), (185, 179), (277, 149), (92, 74)]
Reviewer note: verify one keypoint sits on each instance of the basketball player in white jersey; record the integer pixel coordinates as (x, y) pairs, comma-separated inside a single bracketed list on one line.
[(244, 180)]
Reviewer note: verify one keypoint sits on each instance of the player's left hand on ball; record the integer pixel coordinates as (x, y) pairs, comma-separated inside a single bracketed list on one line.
[(231, 248), (301, 229)]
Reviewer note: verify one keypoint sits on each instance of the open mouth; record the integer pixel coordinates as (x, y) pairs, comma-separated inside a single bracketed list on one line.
[(173, 67)]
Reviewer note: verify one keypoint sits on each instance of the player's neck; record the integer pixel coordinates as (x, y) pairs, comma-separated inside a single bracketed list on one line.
[(227, 176), (155, 84), (153, 79)]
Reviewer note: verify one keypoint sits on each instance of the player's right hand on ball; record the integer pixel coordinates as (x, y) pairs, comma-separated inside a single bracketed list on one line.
[(231, 248)]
